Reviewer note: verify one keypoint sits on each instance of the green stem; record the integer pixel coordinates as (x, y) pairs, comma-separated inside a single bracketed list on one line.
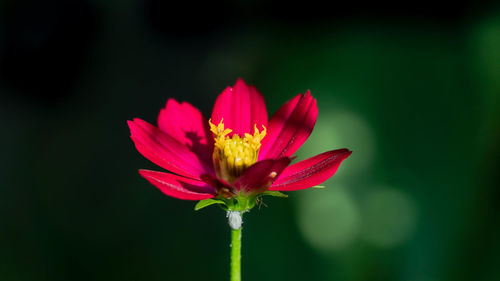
[(236, 254)]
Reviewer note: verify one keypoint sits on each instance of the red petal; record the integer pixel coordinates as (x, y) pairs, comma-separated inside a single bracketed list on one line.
[(310, 172), (186, 124), (289, 127), (223, 187), (258, 177), (179, 187), (165, 151), (242, 107), (215, 182)]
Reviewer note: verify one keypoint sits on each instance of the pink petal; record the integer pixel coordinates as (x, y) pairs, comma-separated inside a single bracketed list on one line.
[(310, 172), (165, 151), (258, 177), (289, 127), (186, 124), (242, 107), (215, 182), (223, 187), (179, 187)]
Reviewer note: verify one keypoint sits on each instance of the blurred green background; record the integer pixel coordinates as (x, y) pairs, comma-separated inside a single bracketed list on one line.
[(412, 88)]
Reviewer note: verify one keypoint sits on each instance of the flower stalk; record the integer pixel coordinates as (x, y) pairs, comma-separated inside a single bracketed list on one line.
[(236, 254)]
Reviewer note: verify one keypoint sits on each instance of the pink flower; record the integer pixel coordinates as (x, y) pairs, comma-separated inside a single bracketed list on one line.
[(238, 152)]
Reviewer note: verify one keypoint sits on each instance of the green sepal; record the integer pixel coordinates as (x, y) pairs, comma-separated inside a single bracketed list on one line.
[(207, 202), (275, 194), (241, 203)]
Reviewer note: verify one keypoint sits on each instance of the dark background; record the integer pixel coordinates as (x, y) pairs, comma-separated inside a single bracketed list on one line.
[(412, 87)]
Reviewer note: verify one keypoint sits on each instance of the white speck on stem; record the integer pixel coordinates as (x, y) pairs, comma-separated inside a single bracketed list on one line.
[(234, 219)]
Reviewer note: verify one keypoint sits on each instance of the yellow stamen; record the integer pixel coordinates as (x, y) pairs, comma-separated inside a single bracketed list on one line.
[(232, 155)]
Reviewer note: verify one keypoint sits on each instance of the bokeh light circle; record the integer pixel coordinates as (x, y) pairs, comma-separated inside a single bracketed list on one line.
[(342, 129), (328, 218), (389, 217)]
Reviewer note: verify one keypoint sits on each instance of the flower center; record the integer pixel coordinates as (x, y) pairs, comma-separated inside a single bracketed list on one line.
[(232, 155)]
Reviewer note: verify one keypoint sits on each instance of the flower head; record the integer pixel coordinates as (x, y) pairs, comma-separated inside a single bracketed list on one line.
[(237, 155), (234, 154)]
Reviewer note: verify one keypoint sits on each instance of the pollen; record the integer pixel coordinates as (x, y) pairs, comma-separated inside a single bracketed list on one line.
[(233, 154)]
